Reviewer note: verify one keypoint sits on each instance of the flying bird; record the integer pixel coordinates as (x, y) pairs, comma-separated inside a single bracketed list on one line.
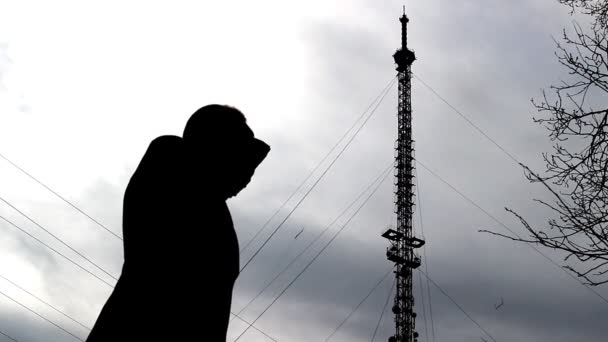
[(497, 306), (300, 232)]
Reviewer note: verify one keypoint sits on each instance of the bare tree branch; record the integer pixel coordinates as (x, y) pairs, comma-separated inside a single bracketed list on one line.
[(576, 171), (598, 9)]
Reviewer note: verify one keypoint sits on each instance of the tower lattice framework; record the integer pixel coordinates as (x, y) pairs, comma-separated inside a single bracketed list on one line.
[(403, 243)]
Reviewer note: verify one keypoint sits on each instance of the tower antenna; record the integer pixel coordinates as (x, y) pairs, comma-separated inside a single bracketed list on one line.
[(403, 243)]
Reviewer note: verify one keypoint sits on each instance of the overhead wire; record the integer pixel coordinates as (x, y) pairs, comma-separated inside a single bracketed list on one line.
[(281, 257), (469, 121), (320, 177), (291, 196), (382, 95), (509, 229), (254, 327), (45, 302), (426, 329), (426, 263), (390, 292), (8, 336), (60, 197), (102, 226), (428, 279), (360, 303), (56, 251), (84, 326), (458, 306), (317, 255), (247, 244), (422, 288), (513, 158), (39, 315), (88, 328), (313, 241), (58, 239)]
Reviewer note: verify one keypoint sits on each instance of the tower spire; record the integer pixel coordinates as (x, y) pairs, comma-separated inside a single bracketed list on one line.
[(403, 243)]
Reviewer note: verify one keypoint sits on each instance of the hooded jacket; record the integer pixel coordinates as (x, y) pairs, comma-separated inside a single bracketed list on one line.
[(181, 255)]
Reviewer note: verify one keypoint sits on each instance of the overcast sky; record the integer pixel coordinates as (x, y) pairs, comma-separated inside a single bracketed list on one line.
[(85, 86)]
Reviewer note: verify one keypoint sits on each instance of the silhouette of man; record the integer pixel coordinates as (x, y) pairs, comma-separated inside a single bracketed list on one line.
[(181, 255)]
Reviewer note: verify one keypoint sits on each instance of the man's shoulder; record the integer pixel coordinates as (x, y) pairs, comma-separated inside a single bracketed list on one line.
[(162, 153), (166, 141), (164, 146)]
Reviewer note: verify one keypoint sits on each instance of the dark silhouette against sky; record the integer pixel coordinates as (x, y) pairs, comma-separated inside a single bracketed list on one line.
[(181, 255)]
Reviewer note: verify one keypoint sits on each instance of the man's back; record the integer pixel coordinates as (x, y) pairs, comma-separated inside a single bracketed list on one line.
[(181, 254)]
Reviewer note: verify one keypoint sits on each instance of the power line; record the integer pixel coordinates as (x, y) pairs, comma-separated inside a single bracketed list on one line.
[(244, 321), (8, 336), (316, 167), (88, 328), (313, 241), (426, 328), (426, 260), (59, 196), (317, 255), (510, 156), (39, 315), (281, 257), (509, 229), (58, 239), (56, 251), (319, 179), (360, 303), (459, 307), (41, 300), (390, 292), (468, 120)]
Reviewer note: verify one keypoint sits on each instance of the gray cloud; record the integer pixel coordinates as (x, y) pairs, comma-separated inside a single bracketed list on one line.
[(487, 60)]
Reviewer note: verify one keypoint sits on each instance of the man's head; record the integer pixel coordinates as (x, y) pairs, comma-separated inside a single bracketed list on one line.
[(218, 138)]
